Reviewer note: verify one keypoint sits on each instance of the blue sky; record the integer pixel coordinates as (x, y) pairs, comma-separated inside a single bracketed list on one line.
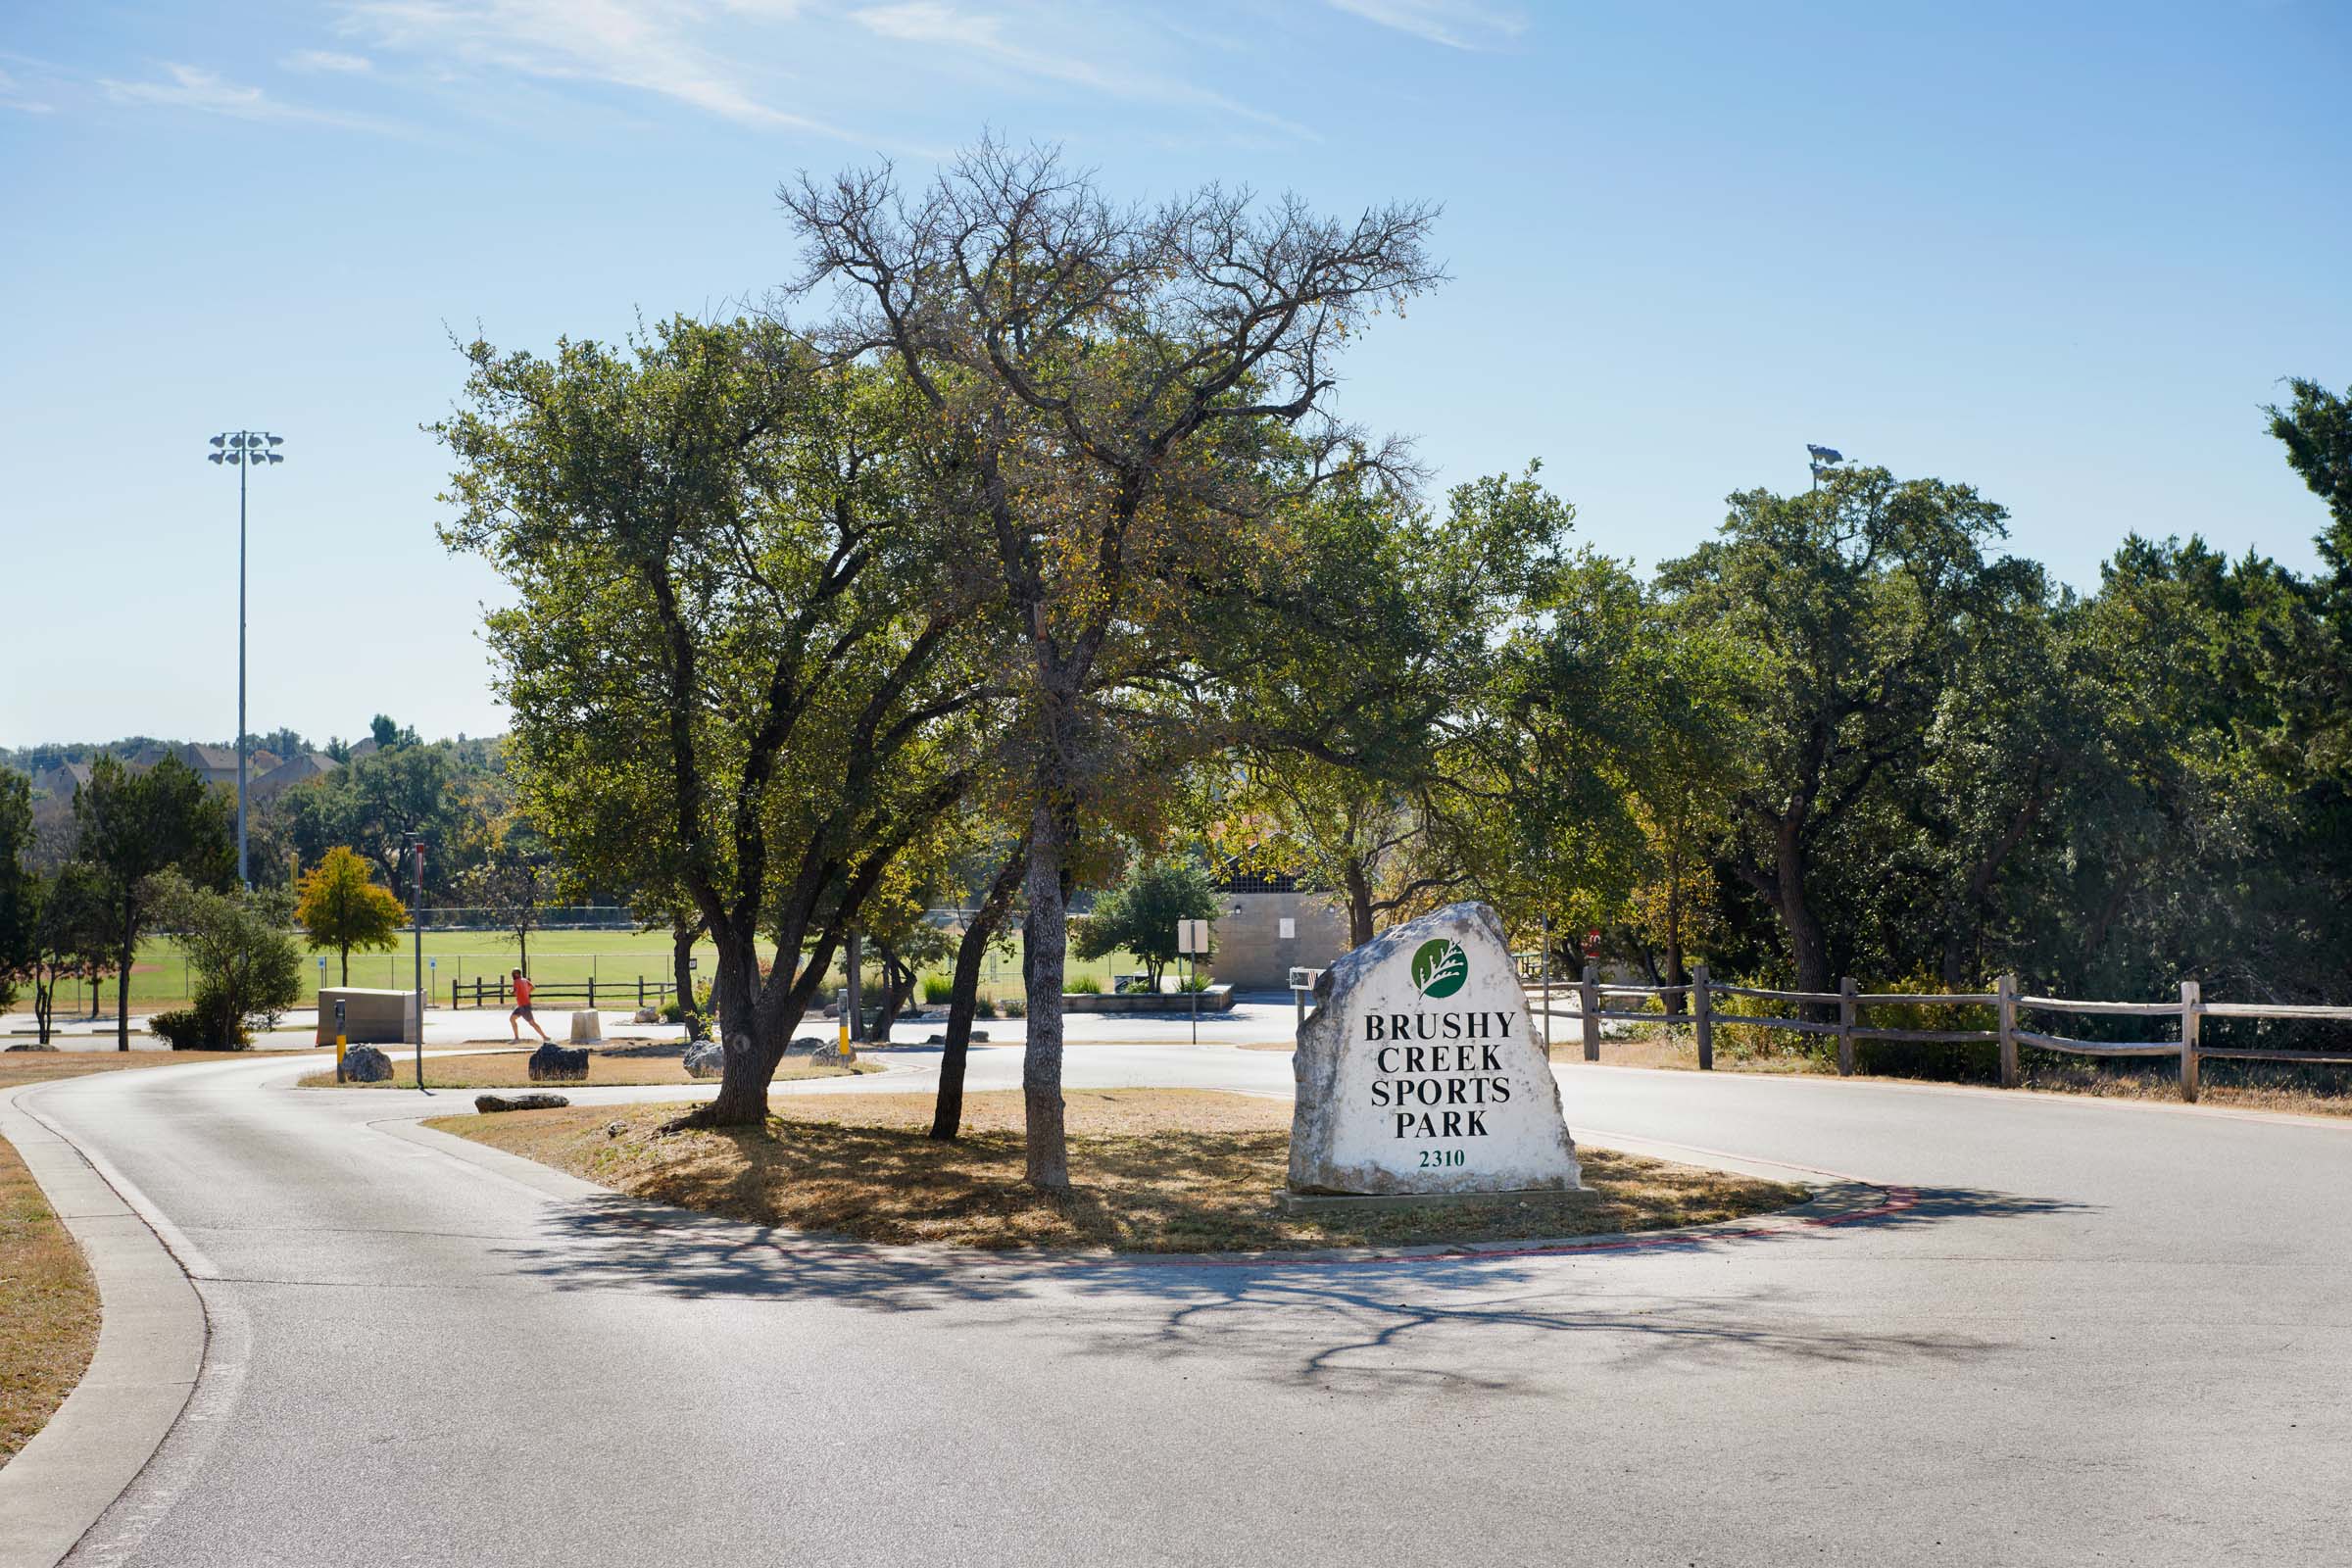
[(2065, 252)]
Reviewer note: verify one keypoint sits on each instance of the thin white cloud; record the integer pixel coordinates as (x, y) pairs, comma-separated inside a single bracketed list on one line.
[(193, 87), (1454, 24), (328, 60), (937, 25), (14, 96), (640, 45)]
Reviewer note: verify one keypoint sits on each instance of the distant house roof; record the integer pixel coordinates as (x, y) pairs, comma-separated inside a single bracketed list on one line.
[(292, 772), (365, 746), (261, 760), (62, 779)]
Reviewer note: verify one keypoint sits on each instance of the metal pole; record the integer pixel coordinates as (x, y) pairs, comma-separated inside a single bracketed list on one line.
[(418, 915), (853, 994), (1192, 972), (1546, 970), (244, 877)]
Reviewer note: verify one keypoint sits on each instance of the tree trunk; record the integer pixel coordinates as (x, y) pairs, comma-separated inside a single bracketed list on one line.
[(898, 986), (131, 944), (1359, 904), (346, 964), (1676, 974), (523, 949), (682, 933), (947, 1116), (44, 1006), (1046, 955), (749, 1062), (1806, 947)]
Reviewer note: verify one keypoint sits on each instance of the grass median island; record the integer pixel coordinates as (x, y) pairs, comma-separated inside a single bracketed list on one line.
[(617, 1068), (1156, 1170), (48, 1302)]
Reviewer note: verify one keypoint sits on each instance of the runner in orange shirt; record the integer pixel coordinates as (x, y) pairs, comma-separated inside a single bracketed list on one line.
[(522, 1009)]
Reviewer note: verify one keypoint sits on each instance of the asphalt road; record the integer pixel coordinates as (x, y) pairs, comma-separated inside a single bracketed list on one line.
[(2104, 1332)]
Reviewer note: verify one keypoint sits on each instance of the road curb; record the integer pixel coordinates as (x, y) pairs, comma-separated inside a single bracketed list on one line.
[(151, 1345)]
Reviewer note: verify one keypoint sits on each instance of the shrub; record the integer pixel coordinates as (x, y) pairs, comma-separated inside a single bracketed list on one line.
[(982, 1008), (1083, 985), (937, 989), (1192, 982), (1014, 1008), (245, 962), (181, 1029)]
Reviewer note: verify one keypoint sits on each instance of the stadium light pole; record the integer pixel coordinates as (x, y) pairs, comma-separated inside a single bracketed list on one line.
[(1824, 459), (243, 450)]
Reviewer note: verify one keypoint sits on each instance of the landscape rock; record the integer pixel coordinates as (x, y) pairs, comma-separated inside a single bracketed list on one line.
[(31, 1045), (646, 1015), (1418, 1070), (491, 1103), (808, 1045), (552, 1063), (365, 1064), (705, 1060), (978, 1037)]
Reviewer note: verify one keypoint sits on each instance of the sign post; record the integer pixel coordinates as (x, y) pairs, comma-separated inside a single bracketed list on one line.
[(339, 1038), (1191, 941), (416, 908)]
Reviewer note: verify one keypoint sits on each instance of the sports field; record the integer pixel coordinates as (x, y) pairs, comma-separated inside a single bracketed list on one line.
[(457, 958)]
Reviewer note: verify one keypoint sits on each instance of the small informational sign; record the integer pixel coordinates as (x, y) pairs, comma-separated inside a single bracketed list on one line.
[(1192, 936), (1286, 928)]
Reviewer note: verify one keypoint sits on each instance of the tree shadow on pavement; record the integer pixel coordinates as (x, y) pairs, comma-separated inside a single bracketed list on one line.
[(1496, 1320)]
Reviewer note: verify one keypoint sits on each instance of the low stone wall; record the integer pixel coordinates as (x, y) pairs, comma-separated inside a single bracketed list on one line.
[(1216, 999)]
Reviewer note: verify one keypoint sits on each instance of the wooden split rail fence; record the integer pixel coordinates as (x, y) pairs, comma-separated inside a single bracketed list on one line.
[(1591, 1009)]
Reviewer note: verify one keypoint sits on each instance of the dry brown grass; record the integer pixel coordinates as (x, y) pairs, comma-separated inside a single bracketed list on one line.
[(614, 1068), (48, 1302), (1156, 1170), (40, 1066)]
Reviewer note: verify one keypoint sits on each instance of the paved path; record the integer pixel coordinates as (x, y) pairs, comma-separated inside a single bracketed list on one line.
[(2105, 1334)]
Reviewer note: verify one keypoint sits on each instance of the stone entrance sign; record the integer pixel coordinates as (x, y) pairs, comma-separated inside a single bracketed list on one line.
[(1418, 1072)]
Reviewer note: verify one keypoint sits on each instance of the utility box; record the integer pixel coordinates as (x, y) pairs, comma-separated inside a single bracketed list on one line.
[(369, 1017)]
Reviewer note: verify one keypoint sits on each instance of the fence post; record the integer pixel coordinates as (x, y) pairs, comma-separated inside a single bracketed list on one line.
[(641, 992), (1846, 1027), (1588, 1002), (592, 985), (2006, 990), (2192, 1009), (1702, 1010)]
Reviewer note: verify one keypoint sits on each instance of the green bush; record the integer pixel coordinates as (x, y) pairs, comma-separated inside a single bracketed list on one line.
[(937, 989), (982, 1008), (181, 1029), (1192, 982), (1083, 985), (244, 959), (1014, 1008)]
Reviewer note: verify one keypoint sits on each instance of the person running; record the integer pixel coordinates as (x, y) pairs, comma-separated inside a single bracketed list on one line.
[(522, 1009)]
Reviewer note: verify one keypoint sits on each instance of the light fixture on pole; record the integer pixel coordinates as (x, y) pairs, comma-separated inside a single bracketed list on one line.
[(1823, 460), (243, 450)]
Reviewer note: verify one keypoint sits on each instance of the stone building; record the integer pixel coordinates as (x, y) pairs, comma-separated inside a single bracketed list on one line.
[(1266, 925)]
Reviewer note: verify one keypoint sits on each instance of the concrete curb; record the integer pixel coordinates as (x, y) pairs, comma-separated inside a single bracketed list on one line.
[(150, 1344)]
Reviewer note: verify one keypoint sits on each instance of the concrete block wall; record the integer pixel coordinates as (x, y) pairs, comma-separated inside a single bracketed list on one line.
[(1252, 954)]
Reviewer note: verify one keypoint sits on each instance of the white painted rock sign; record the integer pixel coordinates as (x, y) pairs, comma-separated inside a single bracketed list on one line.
[(1418, 1071)]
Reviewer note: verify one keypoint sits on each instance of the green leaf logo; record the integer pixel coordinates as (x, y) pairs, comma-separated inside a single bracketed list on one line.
[(1440, 967)]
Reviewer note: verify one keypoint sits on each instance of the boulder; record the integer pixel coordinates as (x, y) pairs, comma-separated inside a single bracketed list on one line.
[(978, 1037), (365, 1064), (587, 1028), (490, 1102), (808, 1045), (552, 1063), (1418, 1070), (646, 1016), (31, 1045), (705, 1060)]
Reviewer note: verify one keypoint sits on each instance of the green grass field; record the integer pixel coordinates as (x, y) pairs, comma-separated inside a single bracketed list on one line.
[(614, 958)]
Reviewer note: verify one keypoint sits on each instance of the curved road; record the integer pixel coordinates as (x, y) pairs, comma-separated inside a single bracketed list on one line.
[(2105, 1333)]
